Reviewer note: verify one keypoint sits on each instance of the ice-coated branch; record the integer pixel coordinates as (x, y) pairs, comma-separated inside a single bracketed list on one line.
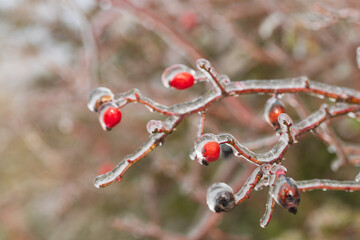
[(326, 184), (153, 141), (269, 171), (248, 186)]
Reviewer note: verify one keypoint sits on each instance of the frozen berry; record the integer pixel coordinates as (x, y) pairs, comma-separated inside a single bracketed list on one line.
[(273, 109), (111, 117), (211, 151), (182, 80)]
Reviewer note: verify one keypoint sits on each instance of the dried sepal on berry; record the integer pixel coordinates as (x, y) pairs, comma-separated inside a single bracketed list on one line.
[(98, 97), (220, 198), (286, 193), (109, 116), (178, 76), (273, 108)]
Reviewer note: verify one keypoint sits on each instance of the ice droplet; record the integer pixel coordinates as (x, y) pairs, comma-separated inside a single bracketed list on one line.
[(155, 126), (94, 100), (352, 115), (220, 197), (203, 63), (171, 71), (205, 66), (201, 141), (224, 79), (331, 149)]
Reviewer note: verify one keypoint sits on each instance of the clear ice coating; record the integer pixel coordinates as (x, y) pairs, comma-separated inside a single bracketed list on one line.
[(155, 126), (123, 98), (264, 221), (286, 125), (102, 111), (96, 95), (203, 63), (171, 71), (358, 56), (220, 197), (200, 142), (224, 79)]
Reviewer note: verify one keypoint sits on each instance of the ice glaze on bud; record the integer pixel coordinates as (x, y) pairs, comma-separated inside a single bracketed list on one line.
[(211, 151), (182, 81), (286, 193), (273, 108), (220, 198)]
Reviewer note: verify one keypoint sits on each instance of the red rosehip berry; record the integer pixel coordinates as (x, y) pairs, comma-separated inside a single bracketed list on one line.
[(111, 117), (211, 151), (273, 109), (182, 81)]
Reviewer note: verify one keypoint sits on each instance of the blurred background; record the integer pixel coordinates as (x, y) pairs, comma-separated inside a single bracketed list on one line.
[(53, 53)]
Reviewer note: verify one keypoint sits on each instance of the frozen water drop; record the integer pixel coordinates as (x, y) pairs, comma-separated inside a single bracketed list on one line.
[(331, 149), (98, 96), (220, 197), (155, 126), (203, 63), (352, 115), (170, 72), (335, 165), (224, 79)]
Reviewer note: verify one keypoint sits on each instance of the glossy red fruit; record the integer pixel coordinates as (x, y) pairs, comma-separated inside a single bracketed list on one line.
[(111, 117), (211, 151), (182, 81), (273, 109)]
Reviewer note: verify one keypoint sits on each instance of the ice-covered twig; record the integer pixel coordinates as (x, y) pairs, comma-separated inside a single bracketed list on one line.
[(248, 186), (153, 141), (273, 155), (326, 184)]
